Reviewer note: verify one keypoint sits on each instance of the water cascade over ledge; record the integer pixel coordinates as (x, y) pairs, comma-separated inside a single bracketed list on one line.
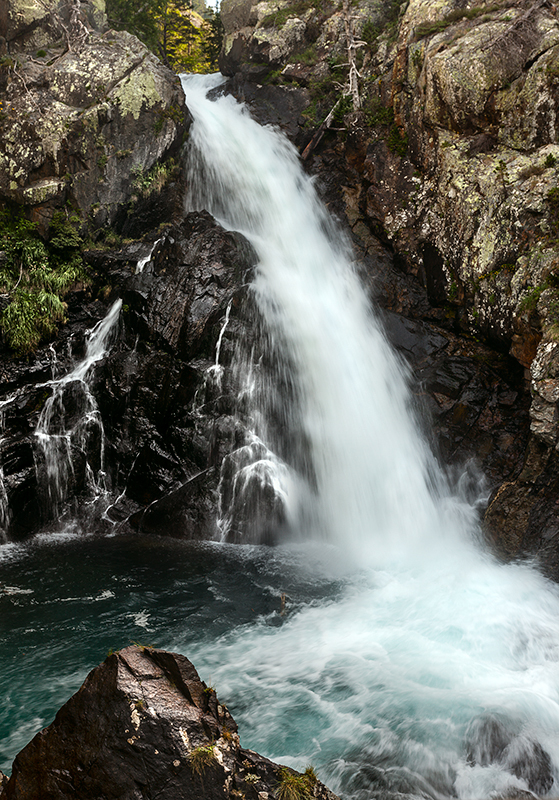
[(434, 670), (70, 431)]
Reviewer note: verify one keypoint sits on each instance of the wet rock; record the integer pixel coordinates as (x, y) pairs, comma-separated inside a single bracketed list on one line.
[(495, 740), (195, 271), (142, 724), (189, 512)]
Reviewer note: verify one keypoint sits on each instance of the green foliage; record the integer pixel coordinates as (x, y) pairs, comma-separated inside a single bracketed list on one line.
[(553, 198), (378, 114), (278, 18), (295, 787), (201, 758), (173, 29), (310, 775), (153, 180), (213, 38), (553, 202), (35, 276), (41, 53), (370, 32), (550, 160), (344, 107), (530, 301), (308, 56)]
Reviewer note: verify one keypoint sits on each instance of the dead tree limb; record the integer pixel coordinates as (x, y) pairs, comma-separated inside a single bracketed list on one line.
[(351, 54), (320, 132)]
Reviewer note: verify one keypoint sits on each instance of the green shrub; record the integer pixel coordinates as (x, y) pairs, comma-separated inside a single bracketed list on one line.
[(396, 142), (36, 275), (370, 32)]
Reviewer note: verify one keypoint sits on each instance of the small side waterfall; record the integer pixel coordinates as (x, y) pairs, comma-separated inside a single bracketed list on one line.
[(4, 501), (70, 435), (435, 672)]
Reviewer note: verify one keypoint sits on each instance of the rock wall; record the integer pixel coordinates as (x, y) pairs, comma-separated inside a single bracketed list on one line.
[(451, 165), (167, 421), (144, 725)]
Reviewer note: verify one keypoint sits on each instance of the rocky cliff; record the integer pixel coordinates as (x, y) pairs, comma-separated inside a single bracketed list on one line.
[(444, 174), (447, 170), (144, 725)]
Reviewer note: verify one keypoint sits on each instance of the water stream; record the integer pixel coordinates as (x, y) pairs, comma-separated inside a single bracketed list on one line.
[(70, 430), (405, 660)]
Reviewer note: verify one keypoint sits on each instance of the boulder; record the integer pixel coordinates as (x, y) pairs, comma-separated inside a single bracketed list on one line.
[(84, 118), (143, 725)]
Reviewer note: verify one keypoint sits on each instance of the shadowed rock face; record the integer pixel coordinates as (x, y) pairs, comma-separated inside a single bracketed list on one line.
[(142, 726)]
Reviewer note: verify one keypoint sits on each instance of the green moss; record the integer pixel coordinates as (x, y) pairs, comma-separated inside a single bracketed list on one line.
[(153, 180), (397, 142), (277, 19)]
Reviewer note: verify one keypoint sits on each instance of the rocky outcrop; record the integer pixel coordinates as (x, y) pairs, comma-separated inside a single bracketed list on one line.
[(167, 405), (143, 725), (89, 117)]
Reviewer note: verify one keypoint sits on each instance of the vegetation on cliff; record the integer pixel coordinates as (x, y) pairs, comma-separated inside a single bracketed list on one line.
[(35, 275)]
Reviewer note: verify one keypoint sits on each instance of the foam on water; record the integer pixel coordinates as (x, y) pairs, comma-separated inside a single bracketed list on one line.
[(395, 685)]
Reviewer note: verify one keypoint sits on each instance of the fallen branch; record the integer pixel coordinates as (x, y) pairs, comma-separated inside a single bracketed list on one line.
[(321, 131)]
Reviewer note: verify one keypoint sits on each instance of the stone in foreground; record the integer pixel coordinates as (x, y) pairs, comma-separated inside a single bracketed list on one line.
[(144, 725)]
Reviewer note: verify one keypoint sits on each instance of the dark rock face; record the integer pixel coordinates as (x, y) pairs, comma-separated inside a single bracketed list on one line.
[(166, 415), (144, 725), (166, 406)]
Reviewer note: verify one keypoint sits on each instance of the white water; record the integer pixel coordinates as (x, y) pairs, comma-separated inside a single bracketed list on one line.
[(70, 424), (387, 687)]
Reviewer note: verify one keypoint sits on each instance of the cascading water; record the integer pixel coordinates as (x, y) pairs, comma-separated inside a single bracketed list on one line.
[(434, 671), (4, 502), (70, 431)]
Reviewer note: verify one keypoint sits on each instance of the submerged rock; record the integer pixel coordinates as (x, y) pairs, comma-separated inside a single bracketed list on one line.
[(493, 739), (144, 725)]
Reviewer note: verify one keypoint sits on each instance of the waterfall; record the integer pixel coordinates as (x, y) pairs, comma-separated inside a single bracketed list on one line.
[(370, 480), (69, 433), (435, 670)]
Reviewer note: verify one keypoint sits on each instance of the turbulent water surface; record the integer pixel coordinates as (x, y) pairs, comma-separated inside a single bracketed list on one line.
[(406, 660)]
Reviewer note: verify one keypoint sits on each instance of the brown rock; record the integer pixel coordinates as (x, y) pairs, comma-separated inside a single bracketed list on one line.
[(143, 725)]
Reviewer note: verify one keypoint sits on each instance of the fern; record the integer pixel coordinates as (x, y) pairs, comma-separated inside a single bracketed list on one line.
[(36, 275)]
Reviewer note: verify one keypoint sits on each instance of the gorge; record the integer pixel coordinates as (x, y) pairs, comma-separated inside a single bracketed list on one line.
[(241, 391)]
